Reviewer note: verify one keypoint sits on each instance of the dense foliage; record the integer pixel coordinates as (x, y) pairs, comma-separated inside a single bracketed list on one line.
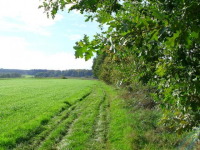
[(155, 42)]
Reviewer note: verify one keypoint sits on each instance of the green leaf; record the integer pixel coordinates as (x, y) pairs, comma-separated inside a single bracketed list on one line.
[(81, 43), (154, 36), (194, 35), (161, 70), (171, 41), (158, 14)]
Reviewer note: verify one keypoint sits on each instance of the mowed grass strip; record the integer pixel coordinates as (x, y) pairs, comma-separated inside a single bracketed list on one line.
[(22, 113), (100, 128), (82, 129)]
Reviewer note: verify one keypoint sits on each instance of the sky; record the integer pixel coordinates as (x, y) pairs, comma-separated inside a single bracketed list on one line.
[(29, 40)]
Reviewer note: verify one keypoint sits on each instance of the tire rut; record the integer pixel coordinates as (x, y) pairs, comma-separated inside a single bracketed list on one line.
[(100, 130), (33, 143), (67, 124), (85, 113)]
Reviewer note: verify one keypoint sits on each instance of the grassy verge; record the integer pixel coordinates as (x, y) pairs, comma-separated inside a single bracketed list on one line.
[(134, 122), (119, 126), (143, 117)]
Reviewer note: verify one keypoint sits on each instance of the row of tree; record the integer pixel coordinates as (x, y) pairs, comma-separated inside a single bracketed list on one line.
[(50, 73), (68, 73), (155, 42), (23, 72), (10, 75)]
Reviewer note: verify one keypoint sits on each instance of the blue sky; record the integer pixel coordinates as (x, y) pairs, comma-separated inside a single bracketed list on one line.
[(29, 40)]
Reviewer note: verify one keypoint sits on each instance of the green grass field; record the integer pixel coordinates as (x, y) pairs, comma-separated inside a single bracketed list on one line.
[(28, 104), (54, 114), (72, 114)]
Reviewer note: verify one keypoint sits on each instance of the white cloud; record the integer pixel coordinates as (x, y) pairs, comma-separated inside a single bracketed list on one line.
[(69, 30), (24, 15), (15, 54), (73, 37), (79, 25), (18, 27)]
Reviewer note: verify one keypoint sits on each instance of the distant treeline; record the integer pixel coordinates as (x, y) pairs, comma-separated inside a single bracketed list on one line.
[(10, 75), (69, 73), (50, 73)]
